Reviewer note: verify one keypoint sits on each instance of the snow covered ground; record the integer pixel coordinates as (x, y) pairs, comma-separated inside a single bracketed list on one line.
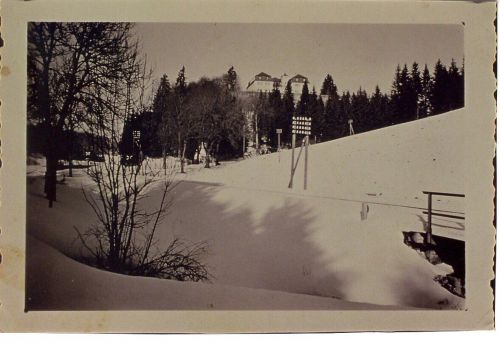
[(272, 247)]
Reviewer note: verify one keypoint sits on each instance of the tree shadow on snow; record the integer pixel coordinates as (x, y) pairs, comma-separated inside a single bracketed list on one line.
[(271, 250)]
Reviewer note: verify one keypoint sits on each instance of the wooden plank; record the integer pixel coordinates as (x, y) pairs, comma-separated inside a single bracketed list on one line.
[(443, 194), (445, 215)]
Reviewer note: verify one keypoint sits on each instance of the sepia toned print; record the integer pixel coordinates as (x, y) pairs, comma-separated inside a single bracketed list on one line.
[(184, 180), (268, 167)]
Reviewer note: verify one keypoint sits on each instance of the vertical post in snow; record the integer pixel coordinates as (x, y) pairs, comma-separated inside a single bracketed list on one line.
[(293, 160), (428, 237), (256, 133), (279, 147), (305, 161), (244, 141)]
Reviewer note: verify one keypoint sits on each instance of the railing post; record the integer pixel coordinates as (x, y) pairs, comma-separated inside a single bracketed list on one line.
[(305, 161), (290, 185), (428, 237)]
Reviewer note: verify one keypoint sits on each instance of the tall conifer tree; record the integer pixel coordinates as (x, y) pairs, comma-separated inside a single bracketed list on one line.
[(440, 94), (425, 106)]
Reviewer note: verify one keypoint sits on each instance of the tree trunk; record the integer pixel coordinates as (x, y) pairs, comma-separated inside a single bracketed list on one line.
[(164, 156), (244, 148), (51, 166), (207, 159), (216, 155), (179, 145), (114, 263), (183, 155), (71, 147), (51, 177), (198, 152)]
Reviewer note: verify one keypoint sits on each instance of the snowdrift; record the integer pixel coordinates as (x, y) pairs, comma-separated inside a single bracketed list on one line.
[(60, 283), (305, 249)]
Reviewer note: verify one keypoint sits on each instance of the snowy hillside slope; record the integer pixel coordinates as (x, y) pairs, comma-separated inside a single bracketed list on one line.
[(263, 235), (397, 163), (58, 282)]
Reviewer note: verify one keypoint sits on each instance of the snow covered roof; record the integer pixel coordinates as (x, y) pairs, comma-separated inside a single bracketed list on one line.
[(262, 74), (298, 78)]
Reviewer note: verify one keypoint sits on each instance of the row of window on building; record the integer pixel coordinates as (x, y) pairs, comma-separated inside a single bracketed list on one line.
[(264, 82)]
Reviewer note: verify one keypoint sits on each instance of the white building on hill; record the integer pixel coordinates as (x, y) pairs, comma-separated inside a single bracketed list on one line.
[(263, 82)]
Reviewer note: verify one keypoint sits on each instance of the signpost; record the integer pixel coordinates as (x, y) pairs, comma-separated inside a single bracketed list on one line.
[(136, 137), (301, 126), (279, 131)]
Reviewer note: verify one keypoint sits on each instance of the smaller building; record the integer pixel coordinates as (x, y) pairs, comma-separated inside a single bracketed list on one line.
[(297, 82)]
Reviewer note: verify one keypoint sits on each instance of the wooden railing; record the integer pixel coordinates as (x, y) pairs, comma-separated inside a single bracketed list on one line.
[(430, 213)]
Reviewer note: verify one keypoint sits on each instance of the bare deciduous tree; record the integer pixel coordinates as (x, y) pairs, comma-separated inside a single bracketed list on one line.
[(215, 113), (66, 61), (124, 238)]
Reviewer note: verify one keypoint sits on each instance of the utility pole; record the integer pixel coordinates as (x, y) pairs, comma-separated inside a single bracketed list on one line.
[(256, 131), (305, 161), (279, 131), (244, 141)]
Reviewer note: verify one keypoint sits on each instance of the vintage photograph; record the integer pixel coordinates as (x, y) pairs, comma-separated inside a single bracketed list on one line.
[(245, 166)]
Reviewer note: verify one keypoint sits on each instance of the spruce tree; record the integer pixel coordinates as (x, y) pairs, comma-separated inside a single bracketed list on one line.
[(462, 85), (425, 107), (275, 105), (396, 92), (317, 115), (396, 83), (328, 87), (157, 131), (287, 111), (402, 96), (377, 109), (342, 114), (180, 82), (263, 116), (439, 91), (328, 128), (360, 111), (407, 105), (178, 113), (455, 87), (415, 91)]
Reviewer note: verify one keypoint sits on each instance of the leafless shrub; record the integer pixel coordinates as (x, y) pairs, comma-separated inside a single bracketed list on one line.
[(124, 238)]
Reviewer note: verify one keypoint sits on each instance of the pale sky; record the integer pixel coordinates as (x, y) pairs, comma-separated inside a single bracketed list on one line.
[(354, 54)]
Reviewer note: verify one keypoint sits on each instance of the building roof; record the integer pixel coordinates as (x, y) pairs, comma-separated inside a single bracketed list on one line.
[(298, 76), (263, 74)]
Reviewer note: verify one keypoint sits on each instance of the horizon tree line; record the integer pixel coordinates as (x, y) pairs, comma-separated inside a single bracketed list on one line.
[(414, 94)]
